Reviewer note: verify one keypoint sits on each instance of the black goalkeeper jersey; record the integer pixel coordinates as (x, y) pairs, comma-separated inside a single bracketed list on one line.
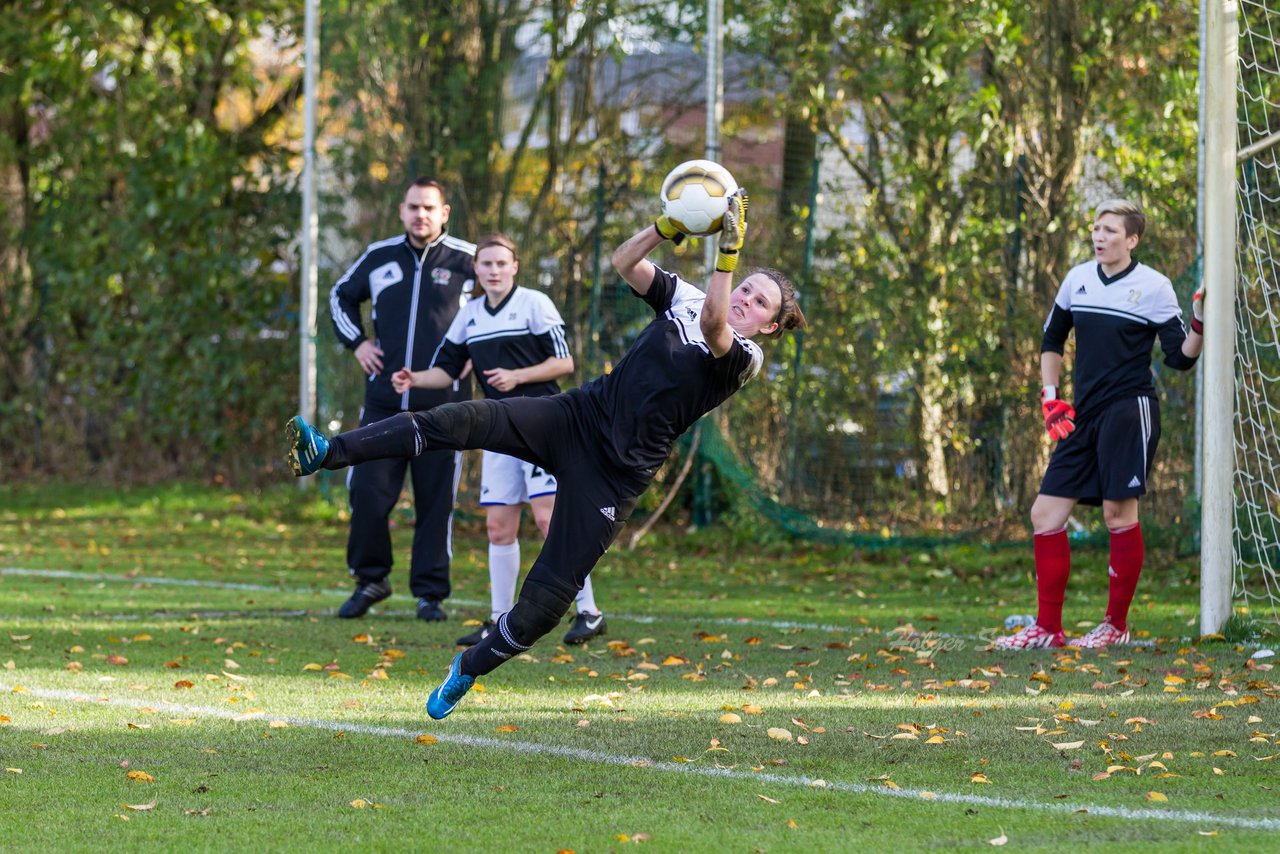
[(667, 380), (1116, 321)]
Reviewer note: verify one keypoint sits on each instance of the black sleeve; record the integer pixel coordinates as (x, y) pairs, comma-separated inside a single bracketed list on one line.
[(1172, 333), (662, 290), (1056, 330), (344, 302), (451, 358)]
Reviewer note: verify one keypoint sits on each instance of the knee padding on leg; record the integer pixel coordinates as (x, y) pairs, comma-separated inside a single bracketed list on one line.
[(456, 426), (539, 609)]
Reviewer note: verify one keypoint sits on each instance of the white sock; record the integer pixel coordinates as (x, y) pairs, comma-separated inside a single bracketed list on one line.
[(587, 599), (504, 570)]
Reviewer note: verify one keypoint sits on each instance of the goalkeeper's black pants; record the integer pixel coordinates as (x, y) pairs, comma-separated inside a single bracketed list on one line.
[(594, 498)]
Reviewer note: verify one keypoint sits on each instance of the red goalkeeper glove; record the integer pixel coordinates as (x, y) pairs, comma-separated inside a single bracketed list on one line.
[(1197, 311), (1059, 416)]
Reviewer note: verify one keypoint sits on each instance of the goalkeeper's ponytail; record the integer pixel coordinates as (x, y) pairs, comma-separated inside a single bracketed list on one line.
[(789, 315)]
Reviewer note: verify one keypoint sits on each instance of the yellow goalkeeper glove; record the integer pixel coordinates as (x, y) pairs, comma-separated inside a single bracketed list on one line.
[(667, 230), (734, 232)]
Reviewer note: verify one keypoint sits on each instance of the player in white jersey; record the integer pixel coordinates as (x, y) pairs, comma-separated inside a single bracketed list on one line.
[(1118, 307), (604, 441), (514, 339)]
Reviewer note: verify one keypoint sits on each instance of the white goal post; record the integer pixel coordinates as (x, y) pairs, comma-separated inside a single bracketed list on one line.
[(1221, 54)]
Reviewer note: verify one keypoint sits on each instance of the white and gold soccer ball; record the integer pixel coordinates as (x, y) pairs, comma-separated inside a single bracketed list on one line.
[(695, 196)]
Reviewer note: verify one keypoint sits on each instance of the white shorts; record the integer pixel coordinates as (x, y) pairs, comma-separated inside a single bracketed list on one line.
[(508, 481)]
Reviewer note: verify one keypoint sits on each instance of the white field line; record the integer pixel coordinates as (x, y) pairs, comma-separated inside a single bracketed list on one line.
[(781, 625), (618, 760)]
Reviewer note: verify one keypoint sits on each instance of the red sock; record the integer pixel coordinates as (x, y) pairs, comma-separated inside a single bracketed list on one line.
[(1126, 566), (1053, 568)]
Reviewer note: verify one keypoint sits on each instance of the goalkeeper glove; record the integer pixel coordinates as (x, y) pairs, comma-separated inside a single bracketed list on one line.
[(1197, 311), (1059, 416), (667, 230), (734, 232)]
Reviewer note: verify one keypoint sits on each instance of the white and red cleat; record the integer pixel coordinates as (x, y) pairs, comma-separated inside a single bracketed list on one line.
[(1032, 637), (1103, 634)]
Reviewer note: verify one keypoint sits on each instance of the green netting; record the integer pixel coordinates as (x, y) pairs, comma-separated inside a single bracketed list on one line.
[(714, 449)]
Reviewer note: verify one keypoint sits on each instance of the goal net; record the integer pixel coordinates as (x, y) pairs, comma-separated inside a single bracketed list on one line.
[(1256, 586)]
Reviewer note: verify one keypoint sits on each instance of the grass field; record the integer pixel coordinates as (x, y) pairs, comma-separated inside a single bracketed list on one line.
[(171, 676)]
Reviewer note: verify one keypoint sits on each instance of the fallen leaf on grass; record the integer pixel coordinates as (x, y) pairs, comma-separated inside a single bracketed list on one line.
[(140, 807), (779, 734), (204, 811), (1068, 745), (978, 777), (140, 777), (999, 840), (1157, 797), (730, 718), (426, 739), (14, 770), (118, 660), (508, 728), (767, 799)]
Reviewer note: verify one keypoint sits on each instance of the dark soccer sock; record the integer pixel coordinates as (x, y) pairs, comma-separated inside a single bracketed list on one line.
[(1053, 568), (1126, 568), (486, 656), (396, 436), (544, 600)]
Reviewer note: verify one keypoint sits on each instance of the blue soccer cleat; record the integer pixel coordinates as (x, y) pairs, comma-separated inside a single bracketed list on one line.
[(307, 446), (449, 692)]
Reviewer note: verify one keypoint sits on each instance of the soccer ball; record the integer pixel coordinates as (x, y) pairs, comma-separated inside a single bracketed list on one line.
[(695, 196)]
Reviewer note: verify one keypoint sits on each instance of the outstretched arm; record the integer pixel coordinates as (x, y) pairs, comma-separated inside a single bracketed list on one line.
[(506, 379), (714, 321), (715, 313), (631, 262), (405, 379)]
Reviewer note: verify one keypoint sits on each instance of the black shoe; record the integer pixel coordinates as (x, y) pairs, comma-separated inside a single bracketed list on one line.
[(367, 593), (585, 627), (430, 610), (478, 635)]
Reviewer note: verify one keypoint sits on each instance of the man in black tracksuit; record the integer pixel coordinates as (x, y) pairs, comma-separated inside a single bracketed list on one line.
[(416, 282)]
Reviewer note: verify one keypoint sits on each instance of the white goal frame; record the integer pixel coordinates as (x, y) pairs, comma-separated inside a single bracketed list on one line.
[(1221, 56)]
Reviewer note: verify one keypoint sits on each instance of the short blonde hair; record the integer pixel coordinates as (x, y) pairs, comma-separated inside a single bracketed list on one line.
[(1135, 221)]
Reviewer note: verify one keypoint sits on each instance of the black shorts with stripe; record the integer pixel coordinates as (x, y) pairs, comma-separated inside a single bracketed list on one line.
[(1108, 456)]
